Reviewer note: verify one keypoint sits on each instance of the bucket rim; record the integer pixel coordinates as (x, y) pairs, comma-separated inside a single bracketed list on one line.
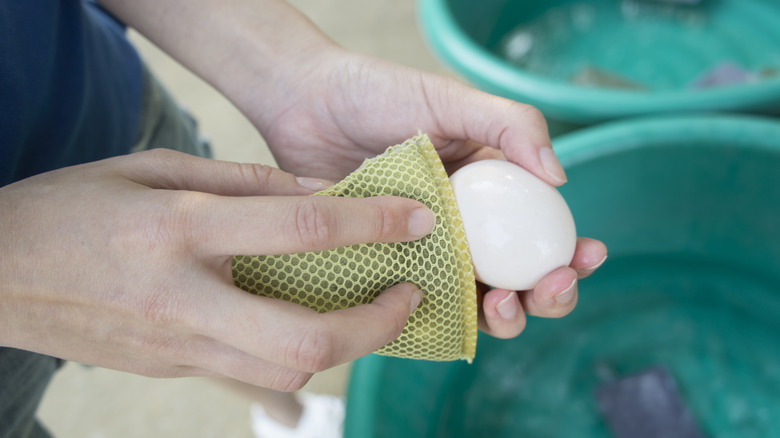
[(738, 130), (458, 51)]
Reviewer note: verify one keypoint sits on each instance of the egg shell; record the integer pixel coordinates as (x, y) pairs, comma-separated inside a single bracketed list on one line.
[(518, 227)]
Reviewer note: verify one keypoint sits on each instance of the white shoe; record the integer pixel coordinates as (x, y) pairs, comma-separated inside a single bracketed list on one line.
[(322, 417)]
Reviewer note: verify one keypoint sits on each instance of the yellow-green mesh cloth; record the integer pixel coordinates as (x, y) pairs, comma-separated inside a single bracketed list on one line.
[(444, 326)]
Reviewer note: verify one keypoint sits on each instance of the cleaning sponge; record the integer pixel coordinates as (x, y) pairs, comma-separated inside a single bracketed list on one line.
[(444, 325)]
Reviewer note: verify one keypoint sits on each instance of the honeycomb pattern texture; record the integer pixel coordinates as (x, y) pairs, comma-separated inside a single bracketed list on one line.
[(444, 326)]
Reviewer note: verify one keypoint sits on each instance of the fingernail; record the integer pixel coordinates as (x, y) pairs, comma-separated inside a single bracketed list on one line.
[(417, 297), (507, 308), (552, 167), (597, 265), (567, 295), (587, 271), (421, 222), (315, 184)]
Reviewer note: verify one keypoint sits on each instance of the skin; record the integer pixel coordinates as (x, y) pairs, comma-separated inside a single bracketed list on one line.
[(124, 263)]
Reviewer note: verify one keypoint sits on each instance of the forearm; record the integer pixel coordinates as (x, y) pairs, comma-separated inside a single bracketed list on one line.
[(250, 50)]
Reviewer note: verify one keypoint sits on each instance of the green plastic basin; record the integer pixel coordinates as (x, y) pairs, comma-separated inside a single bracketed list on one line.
[(690, 210), (530, 51)]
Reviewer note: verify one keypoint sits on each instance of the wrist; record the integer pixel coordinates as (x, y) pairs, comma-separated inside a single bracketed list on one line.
[(252, 51), (272, 78)]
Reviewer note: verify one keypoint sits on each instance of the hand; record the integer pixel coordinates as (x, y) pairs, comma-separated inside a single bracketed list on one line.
[(125, 264), (348, 107), (351, 107)]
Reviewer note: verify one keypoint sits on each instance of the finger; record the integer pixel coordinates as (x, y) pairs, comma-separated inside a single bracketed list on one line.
[(459, 155), (214, 358), (589, 255), (203, 356), (502, 314), (295, 337), (167, 169), (283, 225), (518, 130), (554, 296)]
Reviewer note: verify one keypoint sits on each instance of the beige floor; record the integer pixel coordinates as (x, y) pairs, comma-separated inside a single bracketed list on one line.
[(98, 403)]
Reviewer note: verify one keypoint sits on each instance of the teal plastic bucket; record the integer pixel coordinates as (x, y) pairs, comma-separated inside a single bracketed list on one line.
[(690, 210), (584, 62)]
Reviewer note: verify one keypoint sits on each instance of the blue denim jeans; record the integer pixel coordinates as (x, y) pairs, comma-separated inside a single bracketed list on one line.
[(23, 380), (164, 124), (25, 375)]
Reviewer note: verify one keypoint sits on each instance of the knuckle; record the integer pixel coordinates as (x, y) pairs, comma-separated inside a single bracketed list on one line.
[(386, 221), (158, 161), (314, 224), (179, 228), (253, 174), (528, 111), (164, 239), (168, 228), (314, 352), (158, 230), (383, 222)]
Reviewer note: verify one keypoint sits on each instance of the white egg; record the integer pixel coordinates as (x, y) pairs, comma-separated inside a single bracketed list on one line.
[(518, 227)]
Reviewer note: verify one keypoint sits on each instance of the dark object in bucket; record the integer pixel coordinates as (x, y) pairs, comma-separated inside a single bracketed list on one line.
[(646, 405), (725, 73), (592, 76)]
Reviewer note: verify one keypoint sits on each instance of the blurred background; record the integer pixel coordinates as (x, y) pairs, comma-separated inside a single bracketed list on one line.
[(95, 403)]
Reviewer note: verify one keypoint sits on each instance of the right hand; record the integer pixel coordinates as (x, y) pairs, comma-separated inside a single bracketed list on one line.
[(125, 264)]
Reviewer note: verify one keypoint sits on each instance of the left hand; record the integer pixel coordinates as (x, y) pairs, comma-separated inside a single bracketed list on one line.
[(352, 107), (349, 107)]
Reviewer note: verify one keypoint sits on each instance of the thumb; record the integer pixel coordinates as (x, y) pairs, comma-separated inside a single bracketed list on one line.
[(518, 130), (167, 169)]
